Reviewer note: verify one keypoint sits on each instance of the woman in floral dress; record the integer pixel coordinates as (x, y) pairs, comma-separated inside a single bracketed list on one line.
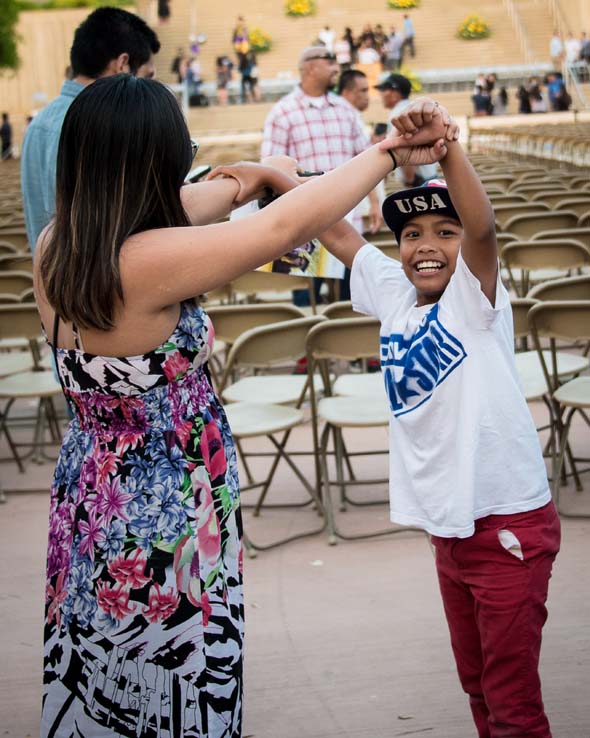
[(144, 609)]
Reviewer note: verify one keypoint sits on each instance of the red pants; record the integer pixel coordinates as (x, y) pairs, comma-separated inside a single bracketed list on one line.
[(495, 608)]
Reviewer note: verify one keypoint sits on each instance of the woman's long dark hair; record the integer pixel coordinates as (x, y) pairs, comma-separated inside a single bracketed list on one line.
[(124, 152)]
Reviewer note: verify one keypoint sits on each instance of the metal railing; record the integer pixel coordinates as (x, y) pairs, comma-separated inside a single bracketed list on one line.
[(573, 76), (559, 20), (520, 30)]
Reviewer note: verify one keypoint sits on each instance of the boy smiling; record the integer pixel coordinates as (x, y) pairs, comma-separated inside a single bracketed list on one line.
[(465, 460)]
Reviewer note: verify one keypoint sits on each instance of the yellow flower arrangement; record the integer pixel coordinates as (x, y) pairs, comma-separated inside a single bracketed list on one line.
[(259, 40), (473, 27), (300, 7), (402, 4)]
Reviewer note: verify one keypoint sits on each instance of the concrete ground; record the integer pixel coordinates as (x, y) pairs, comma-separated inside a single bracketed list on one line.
[(346, 641)]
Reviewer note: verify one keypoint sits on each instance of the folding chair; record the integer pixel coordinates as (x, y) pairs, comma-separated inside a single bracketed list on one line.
[(7, 249), (22, 321), (576, 233), (343, 340), (503, 213), (15, 235), (570, 288), (584, 220), (265, 347), (525, 227), (541, 260), (568, 320), (578, 205), (16, 262), (550, 197), (230, 321)]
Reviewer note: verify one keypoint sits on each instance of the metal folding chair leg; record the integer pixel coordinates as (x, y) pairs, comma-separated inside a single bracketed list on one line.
[(559, 464)]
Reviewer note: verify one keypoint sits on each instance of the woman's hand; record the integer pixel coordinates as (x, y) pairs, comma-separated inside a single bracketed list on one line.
[(252, 179), (423, 130)]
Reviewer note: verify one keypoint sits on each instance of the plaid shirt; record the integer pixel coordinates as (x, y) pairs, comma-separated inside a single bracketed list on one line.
[(321, 133)]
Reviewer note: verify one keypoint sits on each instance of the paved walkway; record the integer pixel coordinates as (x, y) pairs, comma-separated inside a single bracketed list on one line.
[(342, 642)]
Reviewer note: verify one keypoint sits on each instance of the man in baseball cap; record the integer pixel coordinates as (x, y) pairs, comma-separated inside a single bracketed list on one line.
[(395, 92)]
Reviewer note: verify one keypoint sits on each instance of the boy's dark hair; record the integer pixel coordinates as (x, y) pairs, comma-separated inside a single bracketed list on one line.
[(348, 79), (106, 34)]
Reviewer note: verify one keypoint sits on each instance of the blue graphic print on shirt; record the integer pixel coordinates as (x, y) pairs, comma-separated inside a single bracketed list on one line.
[(413, 367)]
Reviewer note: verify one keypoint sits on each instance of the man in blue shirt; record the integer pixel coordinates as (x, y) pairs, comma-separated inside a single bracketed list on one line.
[(409, 33), (109, 41)]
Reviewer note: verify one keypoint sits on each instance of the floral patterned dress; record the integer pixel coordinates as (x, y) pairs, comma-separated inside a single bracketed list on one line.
[(144, 609)]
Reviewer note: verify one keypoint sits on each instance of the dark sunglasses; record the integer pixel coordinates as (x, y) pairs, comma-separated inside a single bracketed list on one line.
[(328, 57), (194, 148)]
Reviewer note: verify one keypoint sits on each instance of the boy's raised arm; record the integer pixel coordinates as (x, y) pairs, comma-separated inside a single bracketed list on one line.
[(478, 248)]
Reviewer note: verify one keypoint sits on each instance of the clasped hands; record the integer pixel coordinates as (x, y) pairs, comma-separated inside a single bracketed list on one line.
[(421, 133)]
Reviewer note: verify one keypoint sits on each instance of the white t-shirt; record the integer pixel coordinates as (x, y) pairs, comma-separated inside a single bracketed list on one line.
[(463, 444), (368, 56), (572, 50)]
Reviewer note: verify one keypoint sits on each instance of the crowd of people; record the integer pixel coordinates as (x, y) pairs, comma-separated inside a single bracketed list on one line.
[(570, 50), (373, 45), (535, 96)]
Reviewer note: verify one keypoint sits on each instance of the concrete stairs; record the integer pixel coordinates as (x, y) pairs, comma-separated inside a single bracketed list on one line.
[(538, 23), (436, 22)]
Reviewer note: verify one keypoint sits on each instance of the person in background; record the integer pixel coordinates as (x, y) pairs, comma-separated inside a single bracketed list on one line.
[(349, 36), (481, 101), (343, 51), (585, 48), (409, 33), (500, 102), (556, 50), (572, 49), (249, 72), (240, 37), (395, 92), (177, 64), (108, 41), (327, 37), (314, 126), (380, 41), (538, 104), (223, 73), (354, 88), (367, 53), (393, 50), (6, 137), (524, 100)]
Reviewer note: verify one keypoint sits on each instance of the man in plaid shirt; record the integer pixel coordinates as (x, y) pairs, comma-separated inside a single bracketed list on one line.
[(315, 126)]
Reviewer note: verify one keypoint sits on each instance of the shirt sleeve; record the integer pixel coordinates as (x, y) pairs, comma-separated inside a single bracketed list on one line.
[(377, 282), (275, 138), (360, 138), (464, 298)]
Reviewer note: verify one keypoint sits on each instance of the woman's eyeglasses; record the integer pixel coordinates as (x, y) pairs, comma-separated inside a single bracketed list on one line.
[(194, 148)]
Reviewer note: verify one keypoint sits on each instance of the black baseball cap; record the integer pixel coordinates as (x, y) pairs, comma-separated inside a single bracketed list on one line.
[(432, 197), (396, 82)]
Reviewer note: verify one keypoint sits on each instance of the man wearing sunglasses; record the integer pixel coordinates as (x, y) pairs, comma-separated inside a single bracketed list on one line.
[(315, 126)]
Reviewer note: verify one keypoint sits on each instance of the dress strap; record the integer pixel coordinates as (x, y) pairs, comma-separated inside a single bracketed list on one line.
[(77, 339), (54, 350)]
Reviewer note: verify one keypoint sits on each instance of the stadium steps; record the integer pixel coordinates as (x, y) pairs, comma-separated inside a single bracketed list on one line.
[(436, 22)]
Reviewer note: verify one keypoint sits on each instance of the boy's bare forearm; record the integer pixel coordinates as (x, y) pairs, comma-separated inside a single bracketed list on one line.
[(468, 195), (343, 241)]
